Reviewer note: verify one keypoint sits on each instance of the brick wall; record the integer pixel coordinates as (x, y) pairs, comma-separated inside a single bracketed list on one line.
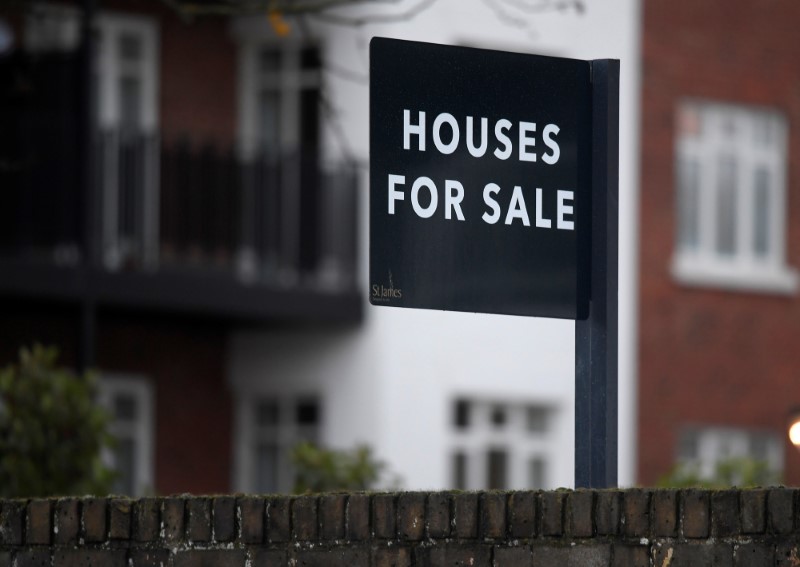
[(710, 356), (660, 528)]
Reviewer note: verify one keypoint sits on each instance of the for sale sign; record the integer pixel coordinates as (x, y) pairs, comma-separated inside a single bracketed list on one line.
[(480, 179)]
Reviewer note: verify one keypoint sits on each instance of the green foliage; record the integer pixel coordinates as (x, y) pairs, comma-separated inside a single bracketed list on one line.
[(325, 470), (51, 431), (740, 471)]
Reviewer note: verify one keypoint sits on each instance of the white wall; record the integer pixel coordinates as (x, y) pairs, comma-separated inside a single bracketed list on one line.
[(392, 382)]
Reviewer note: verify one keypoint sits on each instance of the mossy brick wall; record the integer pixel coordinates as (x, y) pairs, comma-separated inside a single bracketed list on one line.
[(659, 528)]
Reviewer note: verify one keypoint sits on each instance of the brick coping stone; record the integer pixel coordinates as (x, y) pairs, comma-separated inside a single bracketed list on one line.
[(636, 527)]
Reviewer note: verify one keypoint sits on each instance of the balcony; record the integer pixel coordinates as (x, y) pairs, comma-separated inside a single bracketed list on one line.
[(178, 228)]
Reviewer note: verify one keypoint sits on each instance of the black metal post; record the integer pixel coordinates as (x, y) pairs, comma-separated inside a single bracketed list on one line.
[(596, 336)]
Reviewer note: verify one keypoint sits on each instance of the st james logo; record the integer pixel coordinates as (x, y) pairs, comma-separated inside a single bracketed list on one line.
[(385, 294)]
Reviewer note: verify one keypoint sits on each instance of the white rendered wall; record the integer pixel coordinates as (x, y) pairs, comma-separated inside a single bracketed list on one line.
[(392, 382)]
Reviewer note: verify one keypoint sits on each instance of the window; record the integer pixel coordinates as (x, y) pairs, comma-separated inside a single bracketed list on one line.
[(51, 27), (129, 400), (279, 122), (500, 445), (280, 114), (731, 198), (125, 84), (126, 77), (703, 448), (275, 426)]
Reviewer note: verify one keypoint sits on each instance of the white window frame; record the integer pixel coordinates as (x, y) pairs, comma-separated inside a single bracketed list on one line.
[(285, 435), (56, 26), (142, 431), (703, 265), (110, 68), (718, 443), (521, 445), (252, 37)]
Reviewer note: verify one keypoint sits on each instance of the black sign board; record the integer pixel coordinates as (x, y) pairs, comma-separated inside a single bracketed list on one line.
[(480, 176)]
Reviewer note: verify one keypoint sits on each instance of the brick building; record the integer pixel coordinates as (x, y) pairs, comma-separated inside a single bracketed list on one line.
[(719, 310), (156, 200)]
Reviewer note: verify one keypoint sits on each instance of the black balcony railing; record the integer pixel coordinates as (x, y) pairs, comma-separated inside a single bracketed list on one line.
[(262, 220), (122, 219)]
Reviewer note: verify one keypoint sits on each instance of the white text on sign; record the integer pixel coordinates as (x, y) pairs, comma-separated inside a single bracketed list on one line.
[(453, 195)]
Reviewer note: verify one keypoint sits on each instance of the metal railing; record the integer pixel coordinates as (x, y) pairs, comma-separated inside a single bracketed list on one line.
[(280, 220)]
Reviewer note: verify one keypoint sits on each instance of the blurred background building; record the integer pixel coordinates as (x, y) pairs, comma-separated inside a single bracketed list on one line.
[(146, 215), (183, 210), (720, 242)]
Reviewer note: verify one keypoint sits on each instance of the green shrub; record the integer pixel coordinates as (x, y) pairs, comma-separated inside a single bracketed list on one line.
[(325, 470), (739, 471), (51, 431)]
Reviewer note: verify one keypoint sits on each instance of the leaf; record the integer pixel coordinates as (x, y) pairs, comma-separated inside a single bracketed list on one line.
[(51, 431), (279, 25)]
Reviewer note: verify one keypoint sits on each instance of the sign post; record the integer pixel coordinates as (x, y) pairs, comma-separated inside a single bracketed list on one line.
[(596, 336), (492, 184)]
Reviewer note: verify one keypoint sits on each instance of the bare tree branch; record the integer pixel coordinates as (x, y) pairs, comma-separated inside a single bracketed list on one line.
[(333, 119), (504, 16), (409, 14), (538, 6), (286, 7), (346, 74)]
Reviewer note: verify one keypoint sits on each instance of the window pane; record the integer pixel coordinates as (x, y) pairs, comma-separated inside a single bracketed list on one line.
[(763, 131), (497, 464), (130, 92), (688, 204), (536, 473), (688, 446), (267, 413), (729, 123), (461, 418), (761, 206), (460, 471), (726, 205), (309, 122), (266, 469), (125, 408), (130, 47), (725, 444), (309, 58), (498, 416), (759, 447), (269, 121), (269, 61), (124, 462), (536, 419), (307, 413)]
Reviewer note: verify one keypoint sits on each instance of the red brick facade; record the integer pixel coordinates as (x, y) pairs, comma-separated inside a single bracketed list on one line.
[(707, 356), (198, 81), (183, 360)]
